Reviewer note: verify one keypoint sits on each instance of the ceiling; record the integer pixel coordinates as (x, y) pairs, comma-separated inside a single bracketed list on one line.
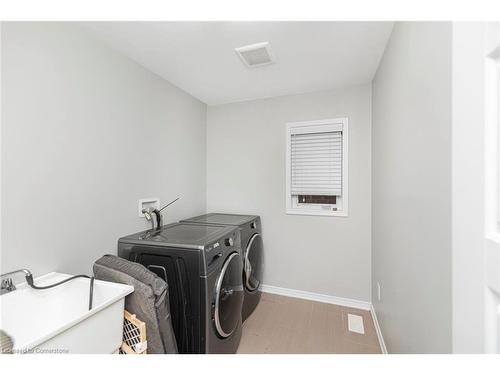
[(199, 57)]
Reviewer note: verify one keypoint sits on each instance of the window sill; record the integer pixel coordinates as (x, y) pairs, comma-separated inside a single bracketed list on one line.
[(297, 211)]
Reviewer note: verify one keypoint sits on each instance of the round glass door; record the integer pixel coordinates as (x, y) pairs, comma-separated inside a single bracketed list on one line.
[(229, 296), (253, 262)]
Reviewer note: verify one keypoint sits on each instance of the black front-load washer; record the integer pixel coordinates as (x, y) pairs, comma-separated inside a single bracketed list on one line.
[(253, 252), (202, 265)]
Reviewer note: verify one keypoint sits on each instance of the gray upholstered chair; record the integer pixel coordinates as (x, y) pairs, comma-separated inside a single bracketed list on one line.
[(149, 301)]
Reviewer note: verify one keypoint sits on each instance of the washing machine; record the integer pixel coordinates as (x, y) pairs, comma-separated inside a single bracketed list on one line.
[(202, 265), (253, 252)]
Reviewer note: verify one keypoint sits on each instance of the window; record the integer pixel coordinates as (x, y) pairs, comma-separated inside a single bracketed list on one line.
[(316, 167)]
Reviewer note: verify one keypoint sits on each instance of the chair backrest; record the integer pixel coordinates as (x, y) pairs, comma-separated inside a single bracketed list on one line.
[(149, 301)]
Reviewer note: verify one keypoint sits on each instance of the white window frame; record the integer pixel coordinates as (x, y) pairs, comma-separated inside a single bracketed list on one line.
[(292, 206)]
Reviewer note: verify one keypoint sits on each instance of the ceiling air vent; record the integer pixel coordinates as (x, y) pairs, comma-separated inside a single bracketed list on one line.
[(258, 54)]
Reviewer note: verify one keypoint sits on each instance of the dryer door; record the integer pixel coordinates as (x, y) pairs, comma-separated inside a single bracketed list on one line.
[(253, 262), (229, 296)]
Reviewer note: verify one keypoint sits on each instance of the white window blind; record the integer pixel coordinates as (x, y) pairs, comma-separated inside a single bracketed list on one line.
[(316, 163)]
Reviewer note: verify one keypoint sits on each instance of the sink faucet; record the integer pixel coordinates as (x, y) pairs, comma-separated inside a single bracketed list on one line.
[(7, 285)]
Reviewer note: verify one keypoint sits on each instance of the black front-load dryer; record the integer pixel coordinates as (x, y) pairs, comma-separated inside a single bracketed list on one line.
[(252, 248), (202, 266)]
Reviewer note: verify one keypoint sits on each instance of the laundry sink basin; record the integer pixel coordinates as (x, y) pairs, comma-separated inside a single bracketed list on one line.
[(58, 320)]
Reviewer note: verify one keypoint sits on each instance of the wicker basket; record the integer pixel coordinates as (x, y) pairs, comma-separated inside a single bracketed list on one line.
[(134, 335)]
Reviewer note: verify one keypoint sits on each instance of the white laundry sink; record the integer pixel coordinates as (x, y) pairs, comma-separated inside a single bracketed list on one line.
[(57, 320)]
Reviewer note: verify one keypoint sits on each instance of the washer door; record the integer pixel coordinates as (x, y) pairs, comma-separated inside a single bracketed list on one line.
[(228, 296), (253, 262)]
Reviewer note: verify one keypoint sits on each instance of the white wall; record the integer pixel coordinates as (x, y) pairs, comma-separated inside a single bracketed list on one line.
[(86, 132), (246, 174), (468, 187), (1, 126), (411, 231)]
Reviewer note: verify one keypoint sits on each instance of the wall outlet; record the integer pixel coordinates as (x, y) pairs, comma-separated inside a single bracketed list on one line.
[(148, 203), (378, 292)]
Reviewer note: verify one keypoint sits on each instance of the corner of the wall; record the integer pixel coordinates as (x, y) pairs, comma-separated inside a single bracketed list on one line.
[(389, 37), (380, 338)]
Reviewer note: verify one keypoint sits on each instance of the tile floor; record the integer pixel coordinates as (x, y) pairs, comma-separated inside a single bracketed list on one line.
[(290, 325)]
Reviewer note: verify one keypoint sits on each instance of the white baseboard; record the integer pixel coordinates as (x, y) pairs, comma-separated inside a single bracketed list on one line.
[(348, 302), (379, 331)]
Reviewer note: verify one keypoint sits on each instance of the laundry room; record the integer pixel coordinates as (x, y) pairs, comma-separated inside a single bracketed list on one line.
[(246, 187)]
